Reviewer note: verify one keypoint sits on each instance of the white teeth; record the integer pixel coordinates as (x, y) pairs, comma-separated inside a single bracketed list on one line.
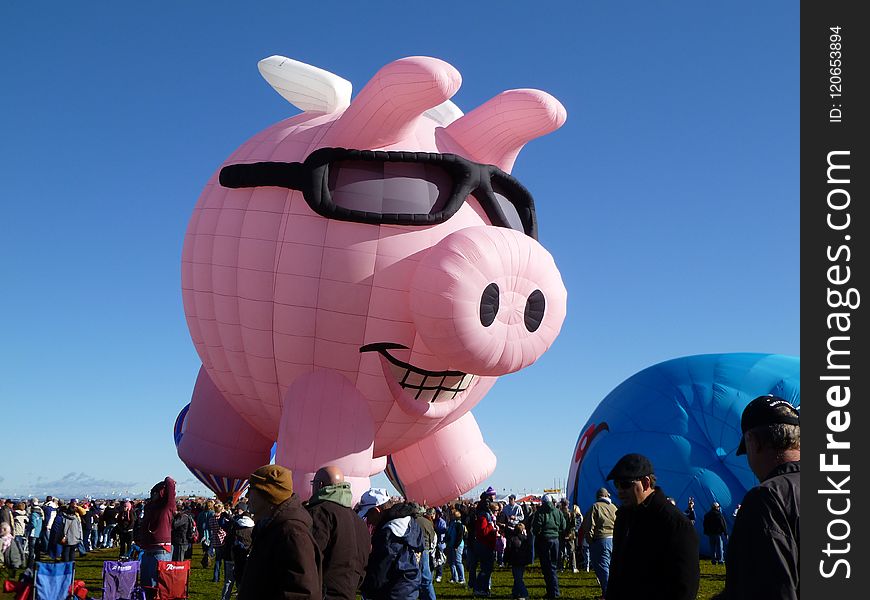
[(430, 388), (428, 395), (413, 379)]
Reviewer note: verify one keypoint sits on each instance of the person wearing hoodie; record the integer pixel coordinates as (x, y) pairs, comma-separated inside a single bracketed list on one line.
[(548, 526), (236, 547), (34, 532), (72, 533), (284, 561), (343, 538), (393, 571), (155, 533)]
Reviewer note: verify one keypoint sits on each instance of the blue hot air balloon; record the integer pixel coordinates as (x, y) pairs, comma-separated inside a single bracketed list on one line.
[(684, 414)]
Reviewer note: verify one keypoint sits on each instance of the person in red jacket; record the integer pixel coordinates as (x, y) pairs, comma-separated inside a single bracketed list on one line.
[(155, 533), (485, 536)]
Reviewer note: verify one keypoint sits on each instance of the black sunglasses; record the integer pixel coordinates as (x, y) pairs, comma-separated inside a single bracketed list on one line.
[(396, 188), (624, 484)]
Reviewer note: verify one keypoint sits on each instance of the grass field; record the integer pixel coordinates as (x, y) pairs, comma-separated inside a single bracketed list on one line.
[(580, 586)]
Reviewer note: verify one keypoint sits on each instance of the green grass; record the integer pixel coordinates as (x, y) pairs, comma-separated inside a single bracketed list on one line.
[(581, 586)]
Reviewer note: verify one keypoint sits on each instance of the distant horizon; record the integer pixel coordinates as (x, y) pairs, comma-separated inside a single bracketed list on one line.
[(193, 487)]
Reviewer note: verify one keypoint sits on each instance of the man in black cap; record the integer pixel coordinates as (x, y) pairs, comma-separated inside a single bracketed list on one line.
[(655, 547), (763, 556)]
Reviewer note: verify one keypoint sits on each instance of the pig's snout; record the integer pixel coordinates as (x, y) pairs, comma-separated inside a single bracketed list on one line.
[(488, 300)]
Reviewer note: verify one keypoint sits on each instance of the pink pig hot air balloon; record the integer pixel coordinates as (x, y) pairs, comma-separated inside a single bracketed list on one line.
[(356, 277)]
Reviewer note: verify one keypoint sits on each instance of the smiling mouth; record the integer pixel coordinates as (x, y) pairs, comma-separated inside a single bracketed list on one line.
[(422, 384)]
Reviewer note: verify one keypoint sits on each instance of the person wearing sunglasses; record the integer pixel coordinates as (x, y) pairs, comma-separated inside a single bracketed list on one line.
[(655, 547)]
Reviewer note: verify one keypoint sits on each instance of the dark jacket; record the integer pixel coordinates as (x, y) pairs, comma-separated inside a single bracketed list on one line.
[(655, 553), (548, 522), (714, 523), (125, 522), (393, 571), (182, 529), (284, 561), (343, 539), (239, 540), (91, 518), (763, 556), (518, 551), (690, 514), (109, 516)]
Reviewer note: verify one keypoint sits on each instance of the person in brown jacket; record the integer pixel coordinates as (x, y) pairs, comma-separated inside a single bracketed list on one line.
[(343, 538), (284, 561)]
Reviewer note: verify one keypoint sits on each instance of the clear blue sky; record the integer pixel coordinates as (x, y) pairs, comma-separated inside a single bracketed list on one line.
[(669, 201)]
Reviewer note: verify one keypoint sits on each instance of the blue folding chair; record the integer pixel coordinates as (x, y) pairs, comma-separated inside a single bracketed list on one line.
[(52, 581)]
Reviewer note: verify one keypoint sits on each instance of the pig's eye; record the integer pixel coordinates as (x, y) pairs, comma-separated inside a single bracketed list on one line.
[(389, 187)]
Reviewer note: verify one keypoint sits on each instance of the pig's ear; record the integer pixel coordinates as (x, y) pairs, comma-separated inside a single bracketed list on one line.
[(496, 131), (308, 88), (387, 108)]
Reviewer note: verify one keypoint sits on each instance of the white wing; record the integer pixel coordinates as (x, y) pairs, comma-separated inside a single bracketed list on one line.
[(445, 113), (308, 88)]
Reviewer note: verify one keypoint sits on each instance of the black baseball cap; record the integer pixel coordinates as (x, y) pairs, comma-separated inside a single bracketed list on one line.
[(763, 411), (631, 466)]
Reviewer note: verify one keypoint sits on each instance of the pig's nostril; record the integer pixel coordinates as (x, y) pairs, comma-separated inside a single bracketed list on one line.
[(534, 313), (489, 304)]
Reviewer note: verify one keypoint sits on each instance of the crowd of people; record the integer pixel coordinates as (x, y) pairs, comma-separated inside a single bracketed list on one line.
[(273, 545)]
